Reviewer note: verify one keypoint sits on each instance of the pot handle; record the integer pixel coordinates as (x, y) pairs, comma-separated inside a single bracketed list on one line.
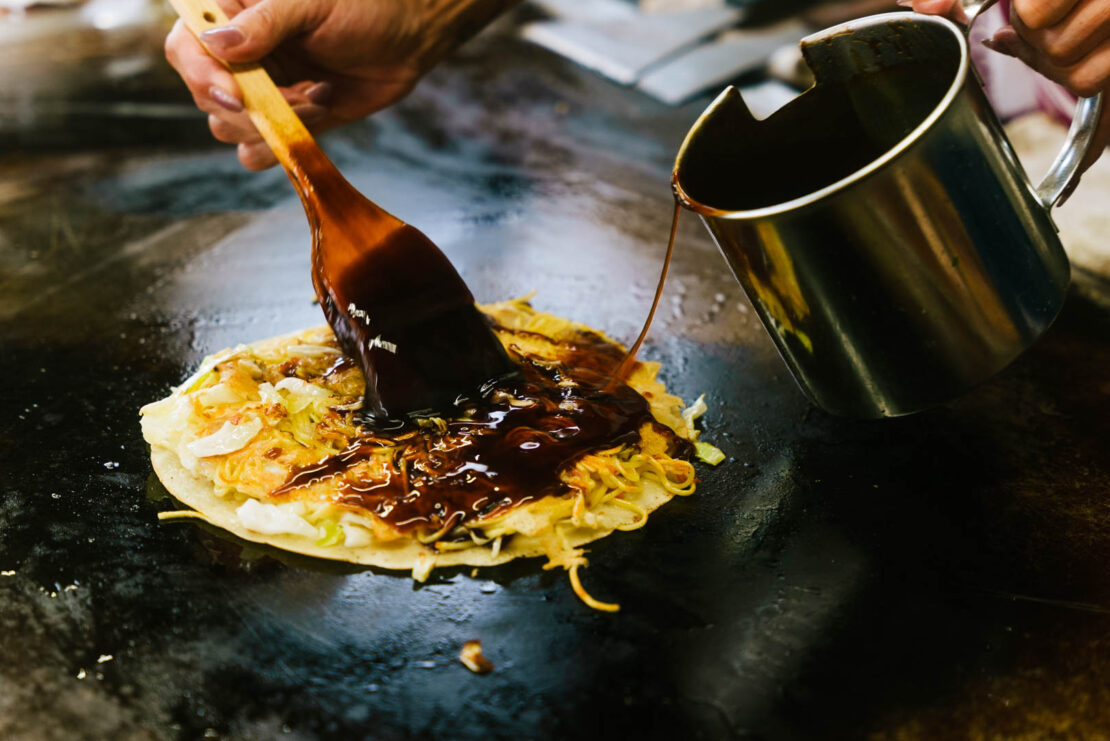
[(1063, 176)]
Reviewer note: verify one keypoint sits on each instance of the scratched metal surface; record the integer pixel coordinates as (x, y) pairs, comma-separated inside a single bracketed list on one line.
[(937, 576)]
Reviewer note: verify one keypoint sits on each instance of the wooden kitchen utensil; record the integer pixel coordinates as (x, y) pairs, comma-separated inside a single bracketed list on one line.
[(393, 299)]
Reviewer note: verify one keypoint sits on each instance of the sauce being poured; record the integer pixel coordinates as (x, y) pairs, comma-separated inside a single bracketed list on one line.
[(626, 365)]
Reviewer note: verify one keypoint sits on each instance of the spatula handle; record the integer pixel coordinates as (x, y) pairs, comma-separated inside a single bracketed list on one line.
[(266, 106)]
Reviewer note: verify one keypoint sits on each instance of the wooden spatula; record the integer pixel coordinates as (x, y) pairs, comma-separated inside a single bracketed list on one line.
[(393, 299)]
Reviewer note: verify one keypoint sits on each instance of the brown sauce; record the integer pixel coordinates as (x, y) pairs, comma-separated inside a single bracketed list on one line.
[(511, 425), (629, 361), (395, 302), (425, 347), (505, 447)]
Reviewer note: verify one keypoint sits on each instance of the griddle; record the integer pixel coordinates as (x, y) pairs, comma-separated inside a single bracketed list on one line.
[(934, 576)]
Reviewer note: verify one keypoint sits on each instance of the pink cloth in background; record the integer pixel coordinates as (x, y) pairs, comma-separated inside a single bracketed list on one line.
[(1013, 88)]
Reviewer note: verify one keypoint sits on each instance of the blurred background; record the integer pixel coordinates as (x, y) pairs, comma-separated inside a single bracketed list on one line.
[(79, 72), (90, 74)]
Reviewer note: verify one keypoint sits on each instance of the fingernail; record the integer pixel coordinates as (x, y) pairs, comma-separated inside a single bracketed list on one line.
[(1001, 43), (1004, 49), (225, 99), (1005, 37), (256, 156), (319, 93), (309, 113), (223, 38), (1068, 191), (905, 3)]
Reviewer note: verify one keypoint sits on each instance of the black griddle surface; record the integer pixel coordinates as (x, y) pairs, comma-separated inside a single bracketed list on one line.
[(935, 576)]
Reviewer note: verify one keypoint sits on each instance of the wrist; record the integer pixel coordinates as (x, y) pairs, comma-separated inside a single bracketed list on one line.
[(450, 23)]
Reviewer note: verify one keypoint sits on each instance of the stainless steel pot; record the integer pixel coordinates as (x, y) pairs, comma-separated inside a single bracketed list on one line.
[(881, 223)]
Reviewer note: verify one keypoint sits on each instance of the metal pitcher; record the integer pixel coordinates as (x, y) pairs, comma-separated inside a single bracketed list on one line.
[(881, 223)]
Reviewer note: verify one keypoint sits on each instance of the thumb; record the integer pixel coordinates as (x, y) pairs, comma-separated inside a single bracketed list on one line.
[(257, 30)]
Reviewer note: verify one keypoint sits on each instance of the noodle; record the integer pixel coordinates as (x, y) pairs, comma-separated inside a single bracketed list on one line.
[(583, 595)]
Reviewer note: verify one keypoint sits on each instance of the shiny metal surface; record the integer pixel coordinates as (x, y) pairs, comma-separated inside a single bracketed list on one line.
[(895, 250), (972, 9), (1063, 175)]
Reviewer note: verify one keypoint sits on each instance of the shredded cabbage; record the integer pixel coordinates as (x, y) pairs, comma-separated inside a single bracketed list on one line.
[(216, 395), (199, 377), (355, 536), (227, 439), (301, 393), (692, 412), (273, 519), (269, 395)]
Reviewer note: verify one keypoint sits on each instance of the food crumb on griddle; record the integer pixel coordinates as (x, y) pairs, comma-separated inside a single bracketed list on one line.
[(473, 659)]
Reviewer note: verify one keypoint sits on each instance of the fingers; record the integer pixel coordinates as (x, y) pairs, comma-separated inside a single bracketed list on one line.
[(238, 129), (952, 9), (254, 153), (1067, 41), (1101, 140), (259, 29), (308, 100), (1090, 77), (256, 156), (233, 132), (254, 32), (1042, 13), (1075, 36), (1087, 77), (212, 86)]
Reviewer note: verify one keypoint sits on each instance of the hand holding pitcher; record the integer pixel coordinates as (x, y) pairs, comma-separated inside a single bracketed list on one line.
[(1067, 41)]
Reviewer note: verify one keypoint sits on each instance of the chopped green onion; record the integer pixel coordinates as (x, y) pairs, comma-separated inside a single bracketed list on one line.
[(206, 379), (332, 534), (707, 453)]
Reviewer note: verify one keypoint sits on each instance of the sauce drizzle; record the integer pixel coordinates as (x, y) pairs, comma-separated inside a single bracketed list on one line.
[(501, 449), (502, 446)]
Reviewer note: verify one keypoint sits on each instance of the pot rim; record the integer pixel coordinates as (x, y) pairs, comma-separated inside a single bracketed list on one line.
[(877, 164)]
